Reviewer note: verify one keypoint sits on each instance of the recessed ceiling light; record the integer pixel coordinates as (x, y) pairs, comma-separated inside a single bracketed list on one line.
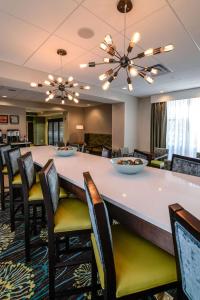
[(4, 96), (85, 33), (124, 88), (161, 92), (88, 104)]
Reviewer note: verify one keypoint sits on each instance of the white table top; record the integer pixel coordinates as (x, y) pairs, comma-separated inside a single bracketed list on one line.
[(146, 195)]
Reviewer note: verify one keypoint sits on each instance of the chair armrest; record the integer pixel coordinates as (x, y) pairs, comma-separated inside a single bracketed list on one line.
[(162, 157)]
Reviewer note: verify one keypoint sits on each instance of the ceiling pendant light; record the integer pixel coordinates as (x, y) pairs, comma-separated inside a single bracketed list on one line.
[(131, 65), (59, 87)]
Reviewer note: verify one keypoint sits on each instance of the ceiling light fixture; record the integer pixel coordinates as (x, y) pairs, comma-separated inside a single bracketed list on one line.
[(59, 87), (4, 96), (130, 65)]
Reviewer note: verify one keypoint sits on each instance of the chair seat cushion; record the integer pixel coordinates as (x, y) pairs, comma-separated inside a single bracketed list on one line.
[(36, 194), (71, 214), (139, 264), (157, 164), (17, 179), (5, 170)]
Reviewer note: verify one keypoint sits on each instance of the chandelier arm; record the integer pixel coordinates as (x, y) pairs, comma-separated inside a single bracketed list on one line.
[(119, 56), (125, 7), (103, 63), (138, 66)]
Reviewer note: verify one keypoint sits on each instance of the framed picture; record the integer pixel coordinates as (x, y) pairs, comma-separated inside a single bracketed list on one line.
[(14, 119), (4, 119)]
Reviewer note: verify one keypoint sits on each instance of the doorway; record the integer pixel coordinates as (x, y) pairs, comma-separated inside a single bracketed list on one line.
[(55, 131)]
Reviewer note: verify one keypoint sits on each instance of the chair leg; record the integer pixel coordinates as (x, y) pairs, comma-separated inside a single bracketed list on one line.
[(27, 231), (12, 210), (52, 269), (94, 278), (2, 193), (34, 219)]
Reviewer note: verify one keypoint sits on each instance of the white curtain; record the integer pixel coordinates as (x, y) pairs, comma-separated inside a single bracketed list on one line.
[(183, 127)]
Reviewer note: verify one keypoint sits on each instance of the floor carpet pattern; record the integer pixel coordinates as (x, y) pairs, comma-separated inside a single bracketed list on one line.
[(20, 281)]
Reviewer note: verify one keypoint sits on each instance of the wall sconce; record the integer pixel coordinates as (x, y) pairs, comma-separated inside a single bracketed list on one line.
[(79, 127)]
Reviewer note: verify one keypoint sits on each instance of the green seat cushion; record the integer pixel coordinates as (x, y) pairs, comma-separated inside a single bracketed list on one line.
[(35, 192), (157, 163), (17, 179), (139, 264), (71, 214), (5, 170)]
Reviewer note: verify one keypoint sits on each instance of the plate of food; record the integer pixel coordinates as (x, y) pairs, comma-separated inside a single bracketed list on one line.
[(66, 151), (128, 165)]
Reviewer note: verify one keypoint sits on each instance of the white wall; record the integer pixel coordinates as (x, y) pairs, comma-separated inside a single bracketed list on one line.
[(177, 95), (117, 125)]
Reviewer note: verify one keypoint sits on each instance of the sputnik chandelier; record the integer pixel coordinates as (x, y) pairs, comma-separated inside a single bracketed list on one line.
[(130, 65), (60, 88)]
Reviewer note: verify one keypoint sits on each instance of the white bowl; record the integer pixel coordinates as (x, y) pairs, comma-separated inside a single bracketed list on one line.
[(128, 169), (69, 152)]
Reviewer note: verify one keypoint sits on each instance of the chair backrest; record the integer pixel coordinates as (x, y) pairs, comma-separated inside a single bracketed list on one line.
[(186, 237), (198, 155), (186, 165), (106, 152), (11, 157), (50, 187), (140, 154), (102, 232), (160, 152), (3, 149), (27, 171)]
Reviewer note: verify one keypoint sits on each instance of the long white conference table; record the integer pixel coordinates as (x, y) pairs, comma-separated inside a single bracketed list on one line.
[(138, 201)]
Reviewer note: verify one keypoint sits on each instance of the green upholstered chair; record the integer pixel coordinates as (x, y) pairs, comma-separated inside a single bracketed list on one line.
[(15, 184), (65, 218), (129, 267), (160, 154), (3, 173), (186, 237), (142, 154)]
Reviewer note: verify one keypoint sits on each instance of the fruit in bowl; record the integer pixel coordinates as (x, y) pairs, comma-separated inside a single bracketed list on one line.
[(66, 151), (127, 165)]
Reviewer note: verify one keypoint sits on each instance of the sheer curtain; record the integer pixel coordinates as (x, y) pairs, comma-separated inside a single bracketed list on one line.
[(183, 127)]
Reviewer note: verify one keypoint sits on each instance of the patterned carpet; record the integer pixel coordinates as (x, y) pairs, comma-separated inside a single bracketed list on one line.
[(20, 281)]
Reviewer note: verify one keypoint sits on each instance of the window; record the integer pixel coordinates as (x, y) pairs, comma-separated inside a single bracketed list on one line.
[(183, 127), (55, 131)]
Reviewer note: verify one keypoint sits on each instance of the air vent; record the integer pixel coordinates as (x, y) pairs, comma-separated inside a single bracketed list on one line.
[(11, 90), (162, 70)]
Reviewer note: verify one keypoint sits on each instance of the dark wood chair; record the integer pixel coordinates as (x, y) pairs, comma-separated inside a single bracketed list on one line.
[(129, 267), (144, 155), (186, 237), (185, 165), (32, 200), (67, 217), (106, 152), (15, 185), (3, 173)]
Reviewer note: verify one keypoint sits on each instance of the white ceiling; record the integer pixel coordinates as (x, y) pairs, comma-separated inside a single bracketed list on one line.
[(31, 32)]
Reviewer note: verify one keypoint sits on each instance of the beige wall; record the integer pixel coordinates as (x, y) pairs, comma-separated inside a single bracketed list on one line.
[(131, 124), (144, 123), (21, 112), (117, 125), (74, 116), (98, 119)]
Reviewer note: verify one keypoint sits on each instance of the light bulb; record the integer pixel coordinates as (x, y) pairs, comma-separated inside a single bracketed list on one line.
[(148, 52), (106, 60), (148, 79), (86, 87), (102, 76), (106, 85), (82, 66), (76, 94), (108, 39), (51, 96), (69, 97), (130, 86), (135, 37), (76, 100), (103, 46), (47, 99), (133, 71), (154, 71), (50, 77), (168, 48), (75, 84), (33, 84), (48, 92), (63, 101), (47, 82), (59, 79), (70, 79)]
